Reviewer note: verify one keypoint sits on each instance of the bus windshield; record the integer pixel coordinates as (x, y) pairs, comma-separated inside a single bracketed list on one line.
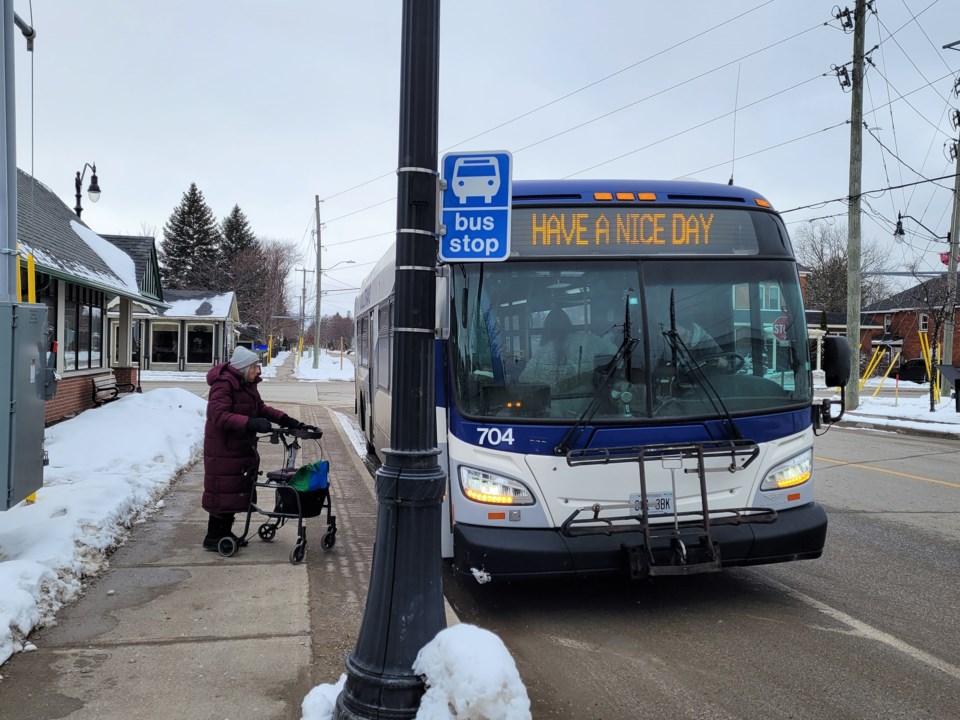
[(539, 341)]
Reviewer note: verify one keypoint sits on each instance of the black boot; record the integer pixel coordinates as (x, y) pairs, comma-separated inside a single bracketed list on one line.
[(218, 526)]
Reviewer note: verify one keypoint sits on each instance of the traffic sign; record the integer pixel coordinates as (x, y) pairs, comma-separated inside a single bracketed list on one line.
[(780, 327), (475, 206)]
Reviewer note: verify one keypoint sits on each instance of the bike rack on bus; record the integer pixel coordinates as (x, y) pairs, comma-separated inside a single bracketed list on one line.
[(642, 559)]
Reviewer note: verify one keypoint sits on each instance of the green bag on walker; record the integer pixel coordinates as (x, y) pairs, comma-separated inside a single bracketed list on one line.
[(312, 477)]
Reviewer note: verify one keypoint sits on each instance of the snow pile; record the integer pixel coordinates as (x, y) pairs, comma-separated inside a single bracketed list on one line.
[(469, 675), (107, 469)]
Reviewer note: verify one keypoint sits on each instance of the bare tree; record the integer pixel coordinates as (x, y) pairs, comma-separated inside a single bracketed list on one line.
[(822, 248), (261, 274), (333, 328), (933, 298)]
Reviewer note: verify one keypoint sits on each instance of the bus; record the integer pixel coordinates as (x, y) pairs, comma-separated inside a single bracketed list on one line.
[(630, 391)]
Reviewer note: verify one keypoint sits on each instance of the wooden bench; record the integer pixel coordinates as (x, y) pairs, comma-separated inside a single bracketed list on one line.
[(106, 388)]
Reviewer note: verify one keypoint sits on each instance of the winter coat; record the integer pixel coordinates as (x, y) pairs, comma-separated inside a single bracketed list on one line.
[(228, 449)]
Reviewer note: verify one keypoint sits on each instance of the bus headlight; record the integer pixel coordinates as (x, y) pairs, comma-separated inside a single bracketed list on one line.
[(485, 487), (795, 471)]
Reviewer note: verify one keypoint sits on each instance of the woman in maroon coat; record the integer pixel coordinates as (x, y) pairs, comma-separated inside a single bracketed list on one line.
[(235, 414)]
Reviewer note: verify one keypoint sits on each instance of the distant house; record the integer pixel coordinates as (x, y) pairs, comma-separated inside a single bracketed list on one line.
[(901, 319), (197, 329), (76, 273)]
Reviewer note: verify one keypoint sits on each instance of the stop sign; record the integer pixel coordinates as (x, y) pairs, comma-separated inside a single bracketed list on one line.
[(780, 327)]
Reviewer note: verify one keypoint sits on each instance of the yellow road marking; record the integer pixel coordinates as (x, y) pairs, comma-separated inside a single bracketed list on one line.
[(889, 472)]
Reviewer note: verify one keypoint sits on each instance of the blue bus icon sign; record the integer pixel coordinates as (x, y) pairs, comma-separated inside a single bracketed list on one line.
[(476, 206), (476, 177)]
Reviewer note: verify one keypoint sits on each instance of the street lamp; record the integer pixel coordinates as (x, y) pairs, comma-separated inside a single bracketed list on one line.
[(93, 192), (316, 319), (951, 262), (898, 231)]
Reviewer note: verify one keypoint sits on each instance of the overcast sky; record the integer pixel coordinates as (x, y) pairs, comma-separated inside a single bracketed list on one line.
[(266, 105)]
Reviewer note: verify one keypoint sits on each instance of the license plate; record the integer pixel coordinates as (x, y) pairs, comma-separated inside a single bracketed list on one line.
[(658, 503)]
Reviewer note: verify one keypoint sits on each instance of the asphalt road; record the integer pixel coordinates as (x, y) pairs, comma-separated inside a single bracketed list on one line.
[(870, 630)]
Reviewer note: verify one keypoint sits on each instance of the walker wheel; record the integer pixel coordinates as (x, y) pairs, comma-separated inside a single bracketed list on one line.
[(299, 550), (267, 532), (328, 540), (227, 547)]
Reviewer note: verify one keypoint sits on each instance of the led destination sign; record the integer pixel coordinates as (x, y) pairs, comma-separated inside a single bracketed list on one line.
[(633, 231)]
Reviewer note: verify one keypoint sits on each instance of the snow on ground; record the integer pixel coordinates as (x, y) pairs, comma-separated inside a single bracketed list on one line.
[(330, 366), (108, 468)]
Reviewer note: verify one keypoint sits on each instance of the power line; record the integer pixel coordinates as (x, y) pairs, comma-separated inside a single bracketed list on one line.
[(871, 193), (571, 93), (694, 127), (766, 149)]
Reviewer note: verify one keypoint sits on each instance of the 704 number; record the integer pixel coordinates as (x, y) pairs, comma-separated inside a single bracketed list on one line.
[(495, 436)]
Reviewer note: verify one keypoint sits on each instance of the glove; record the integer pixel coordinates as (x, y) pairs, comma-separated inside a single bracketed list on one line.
[(260, 425), (292, 423)]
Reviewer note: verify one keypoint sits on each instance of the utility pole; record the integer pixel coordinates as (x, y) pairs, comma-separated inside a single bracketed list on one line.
[(404, 609), (952, 262), (9, 263), (316, 316), (853, 215), (303, 301)]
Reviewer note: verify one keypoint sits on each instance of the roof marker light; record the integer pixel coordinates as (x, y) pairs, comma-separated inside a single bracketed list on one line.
[(625, 196), (602, 196), (763, 203), (646, 196)]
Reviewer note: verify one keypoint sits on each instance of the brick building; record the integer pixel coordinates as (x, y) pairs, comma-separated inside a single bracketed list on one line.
[(901, 318)]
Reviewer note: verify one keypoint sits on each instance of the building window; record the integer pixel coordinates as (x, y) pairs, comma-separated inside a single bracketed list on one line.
[(887, 321), (772, 297), (47, 294), (83, 328), (200, 344), (923, 322), (166, 341)]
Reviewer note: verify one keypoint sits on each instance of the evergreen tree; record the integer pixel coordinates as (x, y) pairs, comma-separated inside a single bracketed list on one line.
[(189, 252), (237, 235)]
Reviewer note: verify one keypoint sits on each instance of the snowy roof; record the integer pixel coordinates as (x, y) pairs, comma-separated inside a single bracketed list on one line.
[(206, 304), (63, 246), (144, 253)]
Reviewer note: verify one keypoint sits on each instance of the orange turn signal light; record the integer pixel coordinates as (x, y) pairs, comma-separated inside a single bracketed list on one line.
[(763, 203)]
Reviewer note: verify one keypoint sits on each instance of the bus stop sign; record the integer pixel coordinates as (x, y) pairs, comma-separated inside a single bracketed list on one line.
[(475, 207)]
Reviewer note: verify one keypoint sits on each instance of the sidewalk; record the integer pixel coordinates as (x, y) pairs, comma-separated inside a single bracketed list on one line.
[(172, 630)]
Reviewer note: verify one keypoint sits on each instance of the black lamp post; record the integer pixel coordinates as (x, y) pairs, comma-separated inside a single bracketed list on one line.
[(93, 191), (404, 609)]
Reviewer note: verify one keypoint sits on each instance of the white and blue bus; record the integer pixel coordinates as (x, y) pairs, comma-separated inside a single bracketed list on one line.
[(630, 391)]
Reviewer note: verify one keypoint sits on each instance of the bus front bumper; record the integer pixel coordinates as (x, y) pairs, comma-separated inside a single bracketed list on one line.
[(508, 553)]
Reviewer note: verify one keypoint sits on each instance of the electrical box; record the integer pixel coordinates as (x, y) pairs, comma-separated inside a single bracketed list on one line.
[(24, 385)]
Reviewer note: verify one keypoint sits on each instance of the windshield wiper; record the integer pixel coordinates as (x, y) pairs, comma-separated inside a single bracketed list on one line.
[(682, 354), (624, 353)]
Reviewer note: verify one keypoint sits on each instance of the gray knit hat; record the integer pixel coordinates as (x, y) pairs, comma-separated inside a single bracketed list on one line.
[(243, 358)]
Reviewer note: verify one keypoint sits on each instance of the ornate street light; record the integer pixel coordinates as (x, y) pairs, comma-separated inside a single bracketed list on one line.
[(93, 192)]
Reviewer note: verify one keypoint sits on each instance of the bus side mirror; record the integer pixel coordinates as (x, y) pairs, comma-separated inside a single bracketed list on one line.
[(836, 360), (836, 367)]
